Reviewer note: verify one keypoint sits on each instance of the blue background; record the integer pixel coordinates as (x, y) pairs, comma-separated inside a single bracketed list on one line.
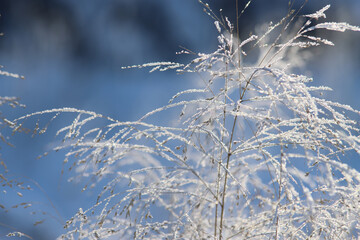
[(71, 53)]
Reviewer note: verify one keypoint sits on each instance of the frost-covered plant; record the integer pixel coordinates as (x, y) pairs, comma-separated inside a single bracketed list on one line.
[(10, 101), (255, 152), (8, 184)]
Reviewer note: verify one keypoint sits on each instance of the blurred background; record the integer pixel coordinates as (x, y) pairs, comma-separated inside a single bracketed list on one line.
[(71, 54)]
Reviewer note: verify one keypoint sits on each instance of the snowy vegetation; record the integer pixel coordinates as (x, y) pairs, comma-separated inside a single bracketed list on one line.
[(254, 152)]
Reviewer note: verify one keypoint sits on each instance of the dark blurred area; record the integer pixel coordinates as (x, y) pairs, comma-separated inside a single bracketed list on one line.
[(71, 54)]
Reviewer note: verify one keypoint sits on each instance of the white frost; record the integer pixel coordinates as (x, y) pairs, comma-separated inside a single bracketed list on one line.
[(318, 14)]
